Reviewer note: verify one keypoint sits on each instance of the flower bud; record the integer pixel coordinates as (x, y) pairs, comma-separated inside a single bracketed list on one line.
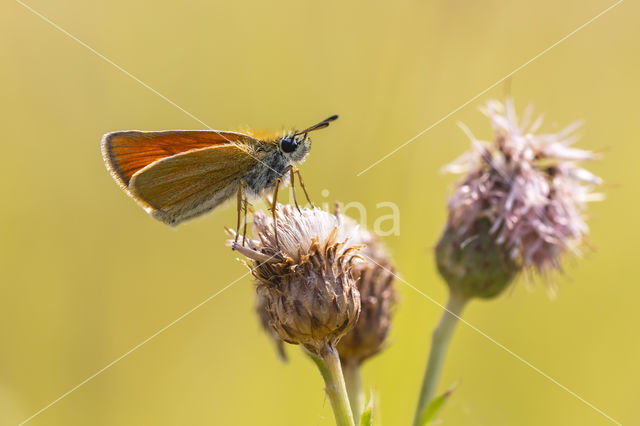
[(305, 277), (477, 266)]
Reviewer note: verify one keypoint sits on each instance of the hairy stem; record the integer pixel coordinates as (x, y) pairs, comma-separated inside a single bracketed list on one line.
[(354, 389), (439, 345), (329, 365)]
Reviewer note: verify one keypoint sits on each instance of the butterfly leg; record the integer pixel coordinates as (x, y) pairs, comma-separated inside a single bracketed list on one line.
[(244, 230), (273, 211), (306, 194), (239, 208), (293, 189)]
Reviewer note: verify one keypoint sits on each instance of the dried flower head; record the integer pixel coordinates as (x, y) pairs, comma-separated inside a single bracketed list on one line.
[(528, 188), (305, 279), (265, 322), (375, 281)]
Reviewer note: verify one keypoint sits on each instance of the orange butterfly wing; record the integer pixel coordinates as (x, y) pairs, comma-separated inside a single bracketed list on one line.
[(191, 183), (127, 152)]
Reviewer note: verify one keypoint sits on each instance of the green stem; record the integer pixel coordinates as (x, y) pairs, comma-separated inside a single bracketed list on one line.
[(439, 344), (354, 389), (329, 365)]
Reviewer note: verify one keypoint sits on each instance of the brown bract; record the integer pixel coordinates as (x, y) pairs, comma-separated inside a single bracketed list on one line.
[(375, 281), (305, 278)]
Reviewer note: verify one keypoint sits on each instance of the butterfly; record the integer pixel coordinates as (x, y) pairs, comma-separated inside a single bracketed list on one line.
[(176, 175)]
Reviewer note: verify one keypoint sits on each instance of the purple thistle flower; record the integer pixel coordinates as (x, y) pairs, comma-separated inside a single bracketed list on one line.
[(529, 186)]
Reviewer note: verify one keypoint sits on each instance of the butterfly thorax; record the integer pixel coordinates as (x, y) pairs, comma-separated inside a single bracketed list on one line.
[(275, 156)]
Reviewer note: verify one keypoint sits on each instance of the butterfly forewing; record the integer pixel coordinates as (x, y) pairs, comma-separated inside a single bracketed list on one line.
[(127, 152), (191, 183)]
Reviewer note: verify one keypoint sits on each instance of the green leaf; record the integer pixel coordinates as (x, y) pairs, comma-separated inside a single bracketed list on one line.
[(430, 412), (367, 415)]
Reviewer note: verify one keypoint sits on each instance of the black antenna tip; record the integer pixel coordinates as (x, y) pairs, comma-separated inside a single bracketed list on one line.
[(321, 125)]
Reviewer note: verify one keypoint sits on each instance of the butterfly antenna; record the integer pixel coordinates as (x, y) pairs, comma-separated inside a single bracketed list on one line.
[(321, 125)]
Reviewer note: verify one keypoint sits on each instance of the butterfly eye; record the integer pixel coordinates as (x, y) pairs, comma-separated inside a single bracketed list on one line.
[(288, 145)]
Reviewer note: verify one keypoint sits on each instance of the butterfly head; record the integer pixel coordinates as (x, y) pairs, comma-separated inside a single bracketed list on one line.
[(296, 145)]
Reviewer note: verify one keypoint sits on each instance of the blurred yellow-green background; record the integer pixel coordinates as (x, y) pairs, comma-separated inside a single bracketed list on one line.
[(86, 275)]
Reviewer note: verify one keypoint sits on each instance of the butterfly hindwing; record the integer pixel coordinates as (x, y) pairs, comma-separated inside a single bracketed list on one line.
[(185, 185)]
